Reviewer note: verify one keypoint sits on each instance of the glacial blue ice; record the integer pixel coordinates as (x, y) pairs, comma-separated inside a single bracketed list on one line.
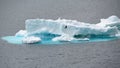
[(39, 30)]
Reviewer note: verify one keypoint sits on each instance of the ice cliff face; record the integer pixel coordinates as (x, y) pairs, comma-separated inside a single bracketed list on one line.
[(68, 30)]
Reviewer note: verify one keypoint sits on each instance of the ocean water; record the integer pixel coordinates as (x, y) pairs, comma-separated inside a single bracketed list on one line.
[(13, 13)]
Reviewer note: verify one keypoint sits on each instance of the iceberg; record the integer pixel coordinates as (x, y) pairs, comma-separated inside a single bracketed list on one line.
[(37, 30)]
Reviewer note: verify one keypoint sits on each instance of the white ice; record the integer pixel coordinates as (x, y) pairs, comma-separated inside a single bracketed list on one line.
[(31, 39), (21, 33), (68, 28)]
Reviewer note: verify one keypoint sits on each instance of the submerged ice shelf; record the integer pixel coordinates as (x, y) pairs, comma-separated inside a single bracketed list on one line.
[(40, 30)]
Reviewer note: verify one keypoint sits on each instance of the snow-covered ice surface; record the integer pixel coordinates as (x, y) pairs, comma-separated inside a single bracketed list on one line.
[(31, 39), (60, 30)]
